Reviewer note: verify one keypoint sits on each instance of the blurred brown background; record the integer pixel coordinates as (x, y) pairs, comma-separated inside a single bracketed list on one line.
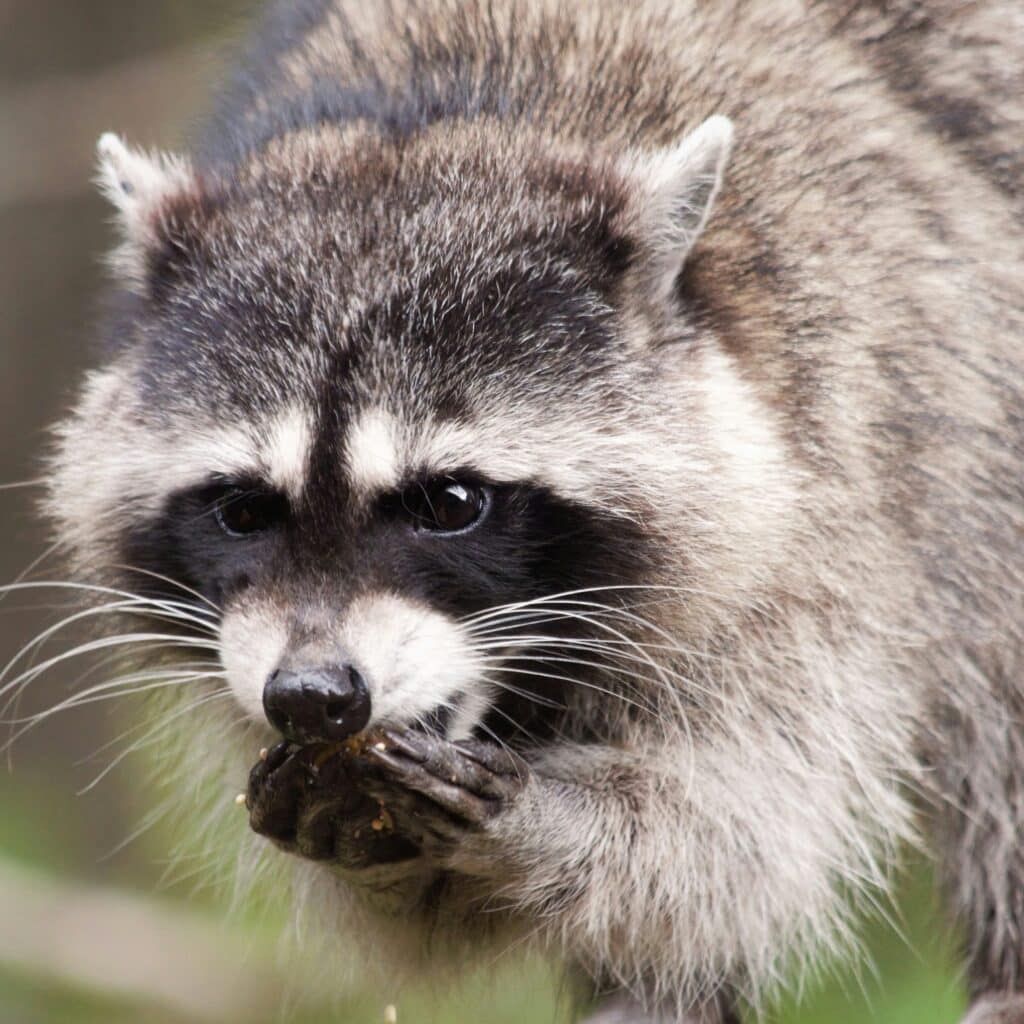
[(70, 69), (85, 936)]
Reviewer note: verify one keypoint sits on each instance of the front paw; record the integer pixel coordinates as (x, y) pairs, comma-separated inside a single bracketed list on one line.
[(440, 792), (310, 802)]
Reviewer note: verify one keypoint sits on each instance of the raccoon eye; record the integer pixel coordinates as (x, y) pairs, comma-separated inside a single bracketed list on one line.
[(447, 506), (240, 513)]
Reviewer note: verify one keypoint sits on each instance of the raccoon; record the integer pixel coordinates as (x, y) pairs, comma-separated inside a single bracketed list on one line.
[(586, 443)]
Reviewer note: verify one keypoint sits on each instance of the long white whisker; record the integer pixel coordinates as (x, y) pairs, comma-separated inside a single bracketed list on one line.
[(551, 606), (513, 650), (518, 726), (167, 607), (36, 720), (548, 598), (126, 607), (572, 612), (38, 482), (624, 638), (104, 643), (493, 735), (127, 603), (525, 694), (161, 726), (662, 672), (586, 685), (117, 686), (560, 659), (144, 826), (173, 582), (612, 649), (34, 564)]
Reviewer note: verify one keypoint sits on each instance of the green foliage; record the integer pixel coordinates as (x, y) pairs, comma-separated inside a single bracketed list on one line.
[(913, 979)]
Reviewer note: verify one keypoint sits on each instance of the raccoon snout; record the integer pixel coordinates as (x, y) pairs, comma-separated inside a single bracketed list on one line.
[(323, 704)]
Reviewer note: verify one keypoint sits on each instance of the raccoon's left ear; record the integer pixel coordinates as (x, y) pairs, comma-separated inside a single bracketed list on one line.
[(677, 189), (139, 185)]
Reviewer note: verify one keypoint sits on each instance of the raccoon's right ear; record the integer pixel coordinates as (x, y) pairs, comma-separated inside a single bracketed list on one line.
[(140, 185), (677, 188)]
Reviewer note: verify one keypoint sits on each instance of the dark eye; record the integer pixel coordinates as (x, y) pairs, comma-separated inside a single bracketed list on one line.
[(447, 506), (243, 512)]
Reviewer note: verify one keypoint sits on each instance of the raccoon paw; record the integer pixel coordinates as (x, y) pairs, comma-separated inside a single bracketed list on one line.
[(315, 808), (442, 789)]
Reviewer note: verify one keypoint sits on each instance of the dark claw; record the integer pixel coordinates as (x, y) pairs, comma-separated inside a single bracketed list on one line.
[(401, 741), (406, 792), (459, 781), (274, 792), (276, 756), (263, 768), (418, 778), (497, 759), (310, 801), (470, 764)]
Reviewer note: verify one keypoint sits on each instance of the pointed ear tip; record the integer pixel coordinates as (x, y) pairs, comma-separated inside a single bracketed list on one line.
[(109, 146)]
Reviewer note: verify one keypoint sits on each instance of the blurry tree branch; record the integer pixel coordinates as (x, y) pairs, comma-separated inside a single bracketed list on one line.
[(49, 128), (123, 944)]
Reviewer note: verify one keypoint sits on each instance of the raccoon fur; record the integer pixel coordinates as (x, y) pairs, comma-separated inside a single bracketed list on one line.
[(615, 411)]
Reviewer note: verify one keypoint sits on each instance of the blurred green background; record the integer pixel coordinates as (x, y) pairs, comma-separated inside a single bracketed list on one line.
[(86, 936)]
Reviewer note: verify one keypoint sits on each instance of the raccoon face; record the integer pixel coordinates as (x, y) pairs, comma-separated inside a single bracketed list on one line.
[(395, 411)]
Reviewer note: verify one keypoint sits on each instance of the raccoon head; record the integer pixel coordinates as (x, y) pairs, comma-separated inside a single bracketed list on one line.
[(424, 420)]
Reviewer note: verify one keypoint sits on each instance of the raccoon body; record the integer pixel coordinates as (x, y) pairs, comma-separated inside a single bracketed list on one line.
[(620, 409)]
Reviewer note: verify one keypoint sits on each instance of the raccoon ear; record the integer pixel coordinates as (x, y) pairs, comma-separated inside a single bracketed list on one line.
[(139, 184), (678, 189)]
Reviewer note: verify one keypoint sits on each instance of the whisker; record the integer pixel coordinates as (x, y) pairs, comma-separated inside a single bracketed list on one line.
[(518, 726), (104, 643), (117, 687), (497, 739), (613, 649), (34, 564), (128, 603), (501, 660), (90, 588), (18, 484), (668, 680), (525, 694), (122, 607), (150, 819), (611, 588), (557, 614), (36, 720), (587, 685), (201, 615), (176, 583), (152, 734)]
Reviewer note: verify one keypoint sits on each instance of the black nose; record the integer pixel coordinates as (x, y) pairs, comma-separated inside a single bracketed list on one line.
[(323, 704)]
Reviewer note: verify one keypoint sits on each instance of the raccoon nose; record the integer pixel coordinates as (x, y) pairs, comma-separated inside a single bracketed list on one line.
[(323, 704)]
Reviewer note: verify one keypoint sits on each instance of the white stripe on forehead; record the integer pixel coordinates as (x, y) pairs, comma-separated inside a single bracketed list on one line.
[(373, 452), (157, 463), (566, 455), (276, 450), (285, 451)]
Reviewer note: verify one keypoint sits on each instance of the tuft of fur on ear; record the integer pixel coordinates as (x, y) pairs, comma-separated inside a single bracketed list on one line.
[(138, 184), (678, 187)]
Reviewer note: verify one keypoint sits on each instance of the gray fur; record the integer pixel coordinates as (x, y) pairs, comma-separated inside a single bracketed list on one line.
[(819, 429)]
